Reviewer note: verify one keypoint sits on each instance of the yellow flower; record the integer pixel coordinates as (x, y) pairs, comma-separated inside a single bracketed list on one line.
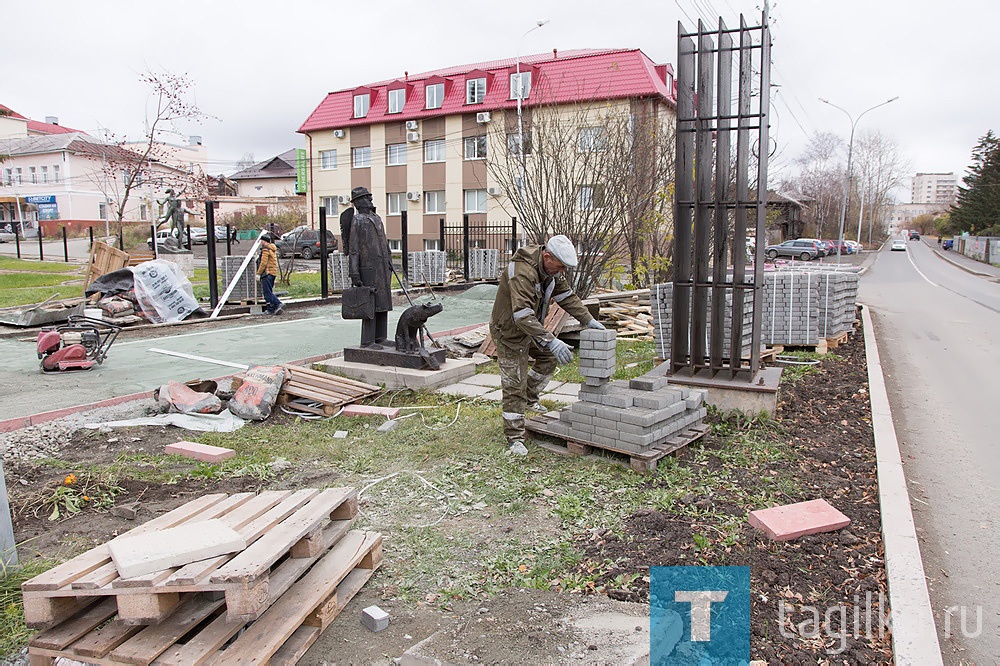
[(86, 498), (70, 480)]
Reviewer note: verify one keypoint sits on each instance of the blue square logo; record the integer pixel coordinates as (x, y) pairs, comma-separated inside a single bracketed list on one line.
[(699, 615)]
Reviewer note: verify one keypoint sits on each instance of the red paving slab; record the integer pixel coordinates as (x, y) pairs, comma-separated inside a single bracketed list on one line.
[(790, 521), (203, 452), (370, 410)]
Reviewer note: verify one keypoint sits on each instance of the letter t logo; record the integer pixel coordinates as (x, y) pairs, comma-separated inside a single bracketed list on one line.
[(701, 610)]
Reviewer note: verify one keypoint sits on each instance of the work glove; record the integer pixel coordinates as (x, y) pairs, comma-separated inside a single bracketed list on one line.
[(596, 325), (560, 350)]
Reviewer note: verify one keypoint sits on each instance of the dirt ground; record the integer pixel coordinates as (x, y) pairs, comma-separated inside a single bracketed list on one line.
[(825, 416)]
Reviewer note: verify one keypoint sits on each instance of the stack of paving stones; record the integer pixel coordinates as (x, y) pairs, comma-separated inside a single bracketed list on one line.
[(838, 295), (246, 288), (339, 271), (483, 264), (790, 312), (634, 416), (661, 304), (427, 267)]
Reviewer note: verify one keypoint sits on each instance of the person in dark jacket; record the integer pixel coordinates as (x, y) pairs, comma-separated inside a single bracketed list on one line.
[(533, 277)]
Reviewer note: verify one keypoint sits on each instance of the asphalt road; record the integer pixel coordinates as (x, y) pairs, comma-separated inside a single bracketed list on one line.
[(938, 329)]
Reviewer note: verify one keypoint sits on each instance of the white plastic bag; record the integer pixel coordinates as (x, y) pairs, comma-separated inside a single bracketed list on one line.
[(163, 292)]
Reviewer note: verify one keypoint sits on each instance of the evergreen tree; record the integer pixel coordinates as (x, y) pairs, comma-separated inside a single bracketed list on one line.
[(978, 205)]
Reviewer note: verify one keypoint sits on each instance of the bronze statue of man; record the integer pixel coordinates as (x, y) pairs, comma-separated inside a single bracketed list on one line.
[(173, 214), (369, 262)]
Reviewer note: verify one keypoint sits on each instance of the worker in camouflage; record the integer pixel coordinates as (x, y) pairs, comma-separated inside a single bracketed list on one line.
[(533, 278)]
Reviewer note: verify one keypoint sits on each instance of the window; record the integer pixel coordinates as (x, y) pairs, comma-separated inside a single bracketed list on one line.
[(434, 150), (591, 139), (45, 174), (8, 177), (524, 89), (475, 91), (475, 201), (395, 244), (475, 147), (432, 244), (395, 154), (361, 158), (435, 95), (397, 99), (102, 210), (143, 212), (397, 202), (327, 159), (514, 143), (434, 202), (589, 197), (330, 203), (32, 176), (55, 173), (361, 105), (18, 176)]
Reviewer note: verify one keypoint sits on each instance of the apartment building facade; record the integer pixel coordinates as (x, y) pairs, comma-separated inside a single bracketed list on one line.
[(934, 188), (424, 143)]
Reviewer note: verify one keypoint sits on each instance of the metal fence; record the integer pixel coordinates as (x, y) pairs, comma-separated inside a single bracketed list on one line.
[(457, 239)]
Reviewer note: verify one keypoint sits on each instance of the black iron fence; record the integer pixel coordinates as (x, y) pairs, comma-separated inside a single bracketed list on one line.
[(457, 239)]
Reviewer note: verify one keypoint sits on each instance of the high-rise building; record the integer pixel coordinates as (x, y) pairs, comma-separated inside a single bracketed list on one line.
[(934, 188)]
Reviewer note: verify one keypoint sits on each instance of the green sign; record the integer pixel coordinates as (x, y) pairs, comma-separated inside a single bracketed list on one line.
[(301, 171)]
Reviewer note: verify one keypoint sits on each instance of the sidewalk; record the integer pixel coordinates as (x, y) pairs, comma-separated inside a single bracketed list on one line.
[(967, 264)]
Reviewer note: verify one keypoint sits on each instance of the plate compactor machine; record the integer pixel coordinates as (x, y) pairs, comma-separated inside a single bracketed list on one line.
[(78, 345)]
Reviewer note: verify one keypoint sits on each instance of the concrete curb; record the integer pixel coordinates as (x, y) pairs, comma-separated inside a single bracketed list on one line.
[(959, 265), (914, 637)]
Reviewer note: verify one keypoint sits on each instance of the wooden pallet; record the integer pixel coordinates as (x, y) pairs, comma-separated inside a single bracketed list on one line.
[(821, 347), (331, 391), (286, 532), (103, 259), (199, 630), (640, 462)]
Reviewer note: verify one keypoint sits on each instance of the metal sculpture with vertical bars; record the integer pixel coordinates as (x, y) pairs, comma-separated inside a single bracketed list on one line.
[(720, 196)]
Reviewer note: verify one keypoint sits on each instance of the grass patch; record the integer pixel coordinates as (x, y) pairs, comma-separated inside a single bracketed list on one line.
[(35, 295), (29, 280), (12, 264), (794, 373), (14, 635)]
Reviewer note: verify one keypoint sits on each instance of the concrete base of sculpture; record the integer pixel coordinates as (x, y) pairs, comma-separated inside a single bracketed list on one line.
[(452, 371), (388, 355), (750, 397), (184, 261)]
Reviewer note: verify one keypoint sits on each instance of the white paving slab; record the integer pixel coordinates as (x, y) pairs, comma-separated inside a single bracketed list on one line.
[(493, 395), (568, 388), (485, 379), (467, 390)]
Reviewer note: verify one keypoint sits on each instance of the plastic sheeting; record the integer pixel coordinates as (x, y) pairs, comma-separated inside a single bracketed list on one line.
[(164, 293), (115, 282), (225, 421)]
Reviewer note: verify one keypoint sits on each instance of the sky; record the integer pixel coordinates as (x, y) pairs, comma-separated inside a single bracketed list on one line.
[(260, 68)]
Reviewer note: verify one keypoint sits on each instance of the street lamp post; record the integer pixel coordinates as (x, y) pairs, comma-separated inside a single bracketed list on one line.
[(850, 152), (520, 126)]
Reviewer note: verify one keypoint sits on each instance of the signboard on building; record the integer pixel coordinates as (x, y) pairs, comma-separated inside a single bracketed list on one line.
[(48, 209), (301, 171)]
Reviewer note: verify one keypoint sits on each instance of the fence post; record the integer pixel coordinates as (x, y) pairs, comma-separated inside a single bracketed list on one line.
[(513, 235), (91, 230), (8, 550), (156, 246), (324, 258), (65, 246), (229, 239), (404, 226), (17, 240), (465, 246), (41, 253), (213, 269), (187, 230)]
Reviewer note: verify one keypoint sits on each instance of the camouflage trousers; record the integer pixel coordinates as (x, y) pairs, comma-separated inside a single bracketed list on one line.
[(520, 384)]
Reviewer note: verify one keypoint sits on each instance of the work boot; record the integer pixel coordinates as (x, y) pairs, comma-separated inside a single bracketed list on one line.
[(280, 309), (517, 448), (537, 407)]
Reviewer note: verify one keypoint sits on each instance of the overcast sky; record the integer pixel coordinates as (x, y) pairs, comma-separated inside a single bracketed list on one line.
[(261, 67)]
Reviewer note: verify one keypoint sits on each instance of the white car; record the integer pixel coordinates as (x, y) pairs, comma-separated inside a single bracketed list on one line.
[(898, 245)]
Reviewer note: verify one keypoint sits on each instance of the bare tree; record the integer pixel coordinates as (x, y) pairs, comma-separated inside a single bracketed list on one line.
[(821, 177), (880, 169), (601, 174)]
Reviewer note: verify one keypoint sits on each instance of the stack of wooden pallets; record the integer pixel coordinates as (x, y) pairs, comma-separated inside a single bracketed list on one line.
[(329, 391), (265, 604)]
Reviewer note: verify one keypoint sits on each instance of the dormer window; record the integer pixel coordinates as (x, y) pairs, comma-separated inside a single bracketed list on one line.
[(397, 100), (475, 90), (520, 85), (362, 103), (435, 95)]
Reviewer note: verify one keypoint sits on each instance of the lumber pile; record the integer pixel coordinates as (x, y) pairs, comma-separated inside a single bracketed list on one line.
[(628, 312), (302, 564), (330, 392)]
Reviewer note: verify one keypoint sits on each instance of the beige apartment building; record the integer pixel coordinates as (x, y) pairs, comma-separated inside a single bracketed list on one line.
[(934, 188), (429, 144)]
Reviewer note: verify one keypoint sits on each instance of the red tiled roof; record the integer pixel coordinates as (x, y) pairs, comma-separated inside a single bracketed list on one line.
[(565, 78), (11, 113), (49, 128)]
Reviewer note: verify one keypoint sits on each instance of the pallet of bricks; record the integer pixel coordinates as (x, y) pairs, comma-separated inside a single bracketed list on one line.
[(661, 302), (810, 307), (264, 603), (428, 267), (644, 418), (339, 270), (484, 264)]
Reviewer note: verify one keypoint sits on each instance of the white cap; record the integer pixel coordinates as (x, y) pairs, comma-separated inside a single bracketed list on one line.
[(562, 249)]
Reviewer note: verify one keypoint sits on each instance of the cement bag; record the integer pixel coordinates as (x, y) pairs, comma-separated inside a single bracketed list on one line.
[(176, 397), (163, 292), (254, 399)]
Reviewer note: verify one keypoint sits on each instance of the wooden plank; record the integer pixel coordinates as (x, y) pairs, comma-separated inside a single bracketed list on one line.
[(328, 611), (152, 641), (97, 644), (264, 637), (65, 573), (318, 395), (295, 647), (312, 381), (63, 634), (258, 557), (346, 381), (202, 647), (97, 578)]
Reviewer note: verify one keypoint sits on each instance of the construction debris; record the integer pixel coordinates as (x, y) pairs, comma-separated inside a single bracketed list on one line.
[(330, 391)]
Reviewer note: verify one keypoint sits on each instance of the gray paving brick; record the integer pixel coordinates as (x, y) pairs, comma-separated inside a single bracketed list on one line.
[(583, 408), (647, 383), (616, 400)]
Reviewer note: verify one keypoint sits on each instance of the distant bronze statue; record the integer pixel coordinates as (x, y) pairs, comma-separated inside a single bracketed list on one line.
[(173, 214), (364, 242)]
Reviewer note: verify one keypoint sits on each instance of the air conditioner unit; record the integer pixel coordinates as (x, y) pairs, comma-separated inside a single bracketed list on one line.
[(344, 199), (413, 137), (340, 134), (483, 117), (412, 125), (412, 196), (494, 191)]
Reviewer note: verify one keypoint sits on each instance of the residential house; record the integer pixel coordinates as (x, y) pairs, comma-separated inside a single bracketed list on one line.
[(423, 143), (784, 216), (274, 177)]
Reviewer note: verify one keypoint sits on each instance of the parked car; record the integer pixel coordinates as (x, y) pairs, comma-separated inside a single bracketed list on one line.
[(898, 245), (948, 244), (804, 249), (304, 242), (855, 246), (7, 234), (914, 234), (161, 235), (198, 235), (845, 247)]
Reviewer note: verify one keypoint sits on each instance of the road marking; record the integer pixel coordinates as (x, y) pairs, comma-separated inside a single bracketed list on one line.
[(241, 366), (912, 263), (221, 330)]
